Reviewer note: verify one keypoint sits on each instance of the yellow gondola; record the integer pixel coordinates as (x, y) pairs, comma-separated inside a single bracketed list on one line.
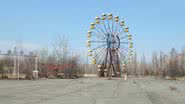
[(88, 41), (97, 18), (94, 59), (88, 45), (103, 16), (90, 54), (130, 54), (124, 68), (94, 62), (129, 37), (110, 16), (124, 65), (92, 26), (97, 21), (126, 29), (116, 18), (90, 50), (89, 34), (122, 23), (129, 62), (130, 46)]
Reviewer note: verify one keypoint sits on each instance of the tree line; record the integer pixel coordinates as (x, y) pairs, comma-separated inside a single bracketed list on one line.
[(171, 64)]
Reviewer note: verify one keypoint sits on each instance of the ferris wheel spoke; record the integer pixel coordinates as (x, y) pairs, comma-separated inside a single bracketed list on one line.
[(102, 22), (123, 34), (98, 36), (123, 59), (120, 33), (121, 29), (100, 54), (102, 58), (124, 37), (112, 26), (121, 54), (100, 28), (125, 48), (99, 47), (109, 28), (124, 42), (106, 56), (98, 32), (98, 41), (116, 28)]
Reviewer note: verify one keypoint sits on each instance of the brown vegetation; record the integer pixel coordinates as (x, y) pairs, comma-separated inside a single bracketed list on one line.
[(172, 64), (165, 65)]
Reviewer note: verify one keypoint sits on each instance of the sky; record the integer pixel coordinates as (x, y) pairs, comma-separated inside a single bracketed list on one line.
[(156, 25)]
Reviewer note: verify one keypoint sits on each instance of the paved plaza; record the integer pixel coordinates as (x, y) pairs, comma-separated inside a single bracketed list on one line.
[(92, 91)]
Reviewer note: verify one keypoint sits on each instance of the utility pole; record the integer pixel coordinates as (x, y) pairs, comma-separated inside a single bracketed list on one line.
[(36, 63), (16, 54), (18, 67), (14, 70), (15, 63)]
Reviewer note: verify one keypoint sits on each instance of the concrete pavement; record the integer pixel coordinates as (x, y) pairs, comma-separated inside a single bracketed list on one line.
[(142, 90)]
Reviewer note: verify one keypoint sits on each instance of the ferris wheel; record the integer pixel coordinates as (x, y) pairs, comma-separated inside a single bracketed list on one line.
[(109, 44)]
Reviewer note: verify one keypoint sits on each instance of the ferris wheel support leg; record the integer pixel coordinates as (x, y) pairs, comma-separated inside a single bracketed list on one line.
[(109, 72), (125, 74)]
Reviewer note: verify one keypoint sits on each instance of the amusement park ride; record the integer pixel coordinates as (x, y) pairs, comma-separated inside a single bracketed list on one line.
[(110, 45)]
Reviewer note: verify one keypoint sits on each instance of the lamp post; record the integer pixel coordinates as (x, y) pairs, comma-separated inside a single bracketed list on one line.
[(16, 54), (36, 63), (15, 60), (16, 57)]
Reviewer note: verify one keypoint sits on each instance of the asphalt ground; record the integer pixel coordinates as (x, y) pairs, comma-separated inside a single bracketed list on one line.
[(143, 90)]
